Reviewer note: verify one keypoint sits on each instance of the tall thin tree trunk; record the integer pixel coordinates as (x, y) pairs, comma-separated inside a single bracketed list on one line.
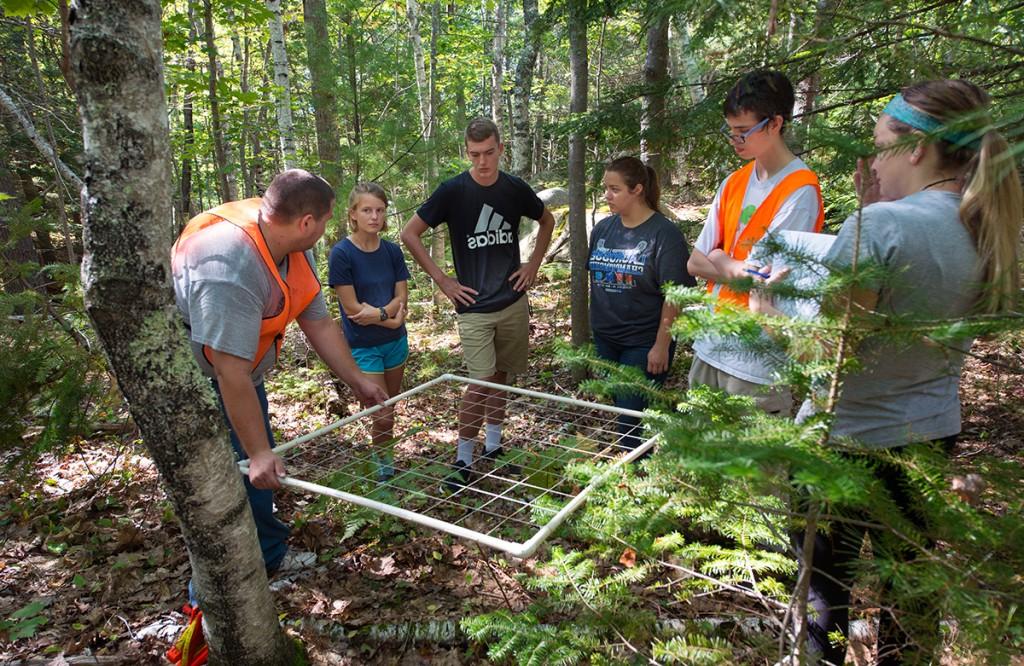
[(498, 59), (225, 179), (116, 57), (185, 209), (322, 82), (808, 89), (285, 126), (239, 55), (61, 187), (65, 44), (437, 244), (347, 45), (427, 95), (653, 133), (521, 140), (260, 178), (412, 13), (684, 64), (21, 251), (578, 249), (243, 136)]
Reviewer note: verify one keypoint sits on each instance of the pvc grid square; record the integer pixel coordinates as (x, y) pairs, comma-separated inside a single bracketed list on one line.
[(512, 503)]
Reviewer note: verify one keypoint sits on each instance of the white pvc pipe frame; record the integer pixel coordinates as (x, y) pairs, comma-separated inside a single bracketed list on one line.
[(524, 549)]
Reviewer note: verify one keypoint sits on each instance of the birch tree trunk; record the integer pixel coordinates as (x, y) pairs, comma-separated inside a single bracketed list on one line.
[(498, 60), (285, 126), (126, 202), (652, 118), (437, 244), (322, 82), (225, 180), (579, 80), (684, 63), (522, 147), (427, 96), (412, 13)]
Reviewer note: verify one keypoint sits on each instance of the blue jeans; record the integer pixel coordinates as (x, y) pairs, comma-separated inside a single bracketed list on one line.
[(272, 533), (629, 426)]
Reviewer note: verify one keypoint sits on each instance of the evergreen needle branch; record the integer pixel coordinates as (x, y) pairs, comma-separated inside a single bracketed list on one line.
[(582, 597), (798, 605), (769, 604)]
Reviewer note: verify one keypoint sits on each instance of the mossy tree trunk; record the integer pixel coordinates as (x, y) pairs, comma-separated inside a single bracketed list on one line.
[(521, 92), (126, 201)]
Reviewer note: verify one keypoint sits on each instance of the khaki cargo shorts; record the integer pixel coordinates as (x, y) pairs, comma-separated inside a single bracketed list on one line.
[(768, 398), (495, 342)]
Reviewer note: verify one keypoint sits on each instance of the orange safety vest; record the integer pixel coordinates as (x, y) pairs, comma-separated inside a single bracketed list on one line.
[(299, 290), (731, 206)]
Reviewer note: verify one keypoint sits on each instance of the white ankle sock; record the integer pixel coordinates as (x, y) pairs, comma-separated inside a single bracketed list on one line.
[(465, 450), (493, 437)]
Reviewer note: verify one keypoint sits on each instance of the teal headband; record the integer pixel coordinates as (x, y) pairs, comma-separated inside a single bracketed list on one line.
[(898, 109)]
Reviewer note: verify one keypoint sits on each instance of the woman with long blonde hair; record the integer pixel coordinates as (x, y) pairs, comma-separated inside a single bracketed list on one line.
[(942, 217)]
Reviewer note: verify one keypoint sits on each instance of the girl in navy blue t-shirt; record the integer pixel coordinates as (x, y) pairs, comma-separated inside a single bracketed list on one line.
[(633, 253), (370, 277)]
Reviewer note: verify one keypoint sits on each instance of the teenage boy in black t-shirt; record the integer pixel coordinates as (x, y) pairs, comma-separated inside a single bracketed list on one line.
[(482, 208)]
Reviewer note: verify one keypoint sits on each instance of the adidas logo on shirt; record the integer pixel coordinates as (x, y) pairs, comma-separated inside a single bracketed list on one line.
[(491, 229)]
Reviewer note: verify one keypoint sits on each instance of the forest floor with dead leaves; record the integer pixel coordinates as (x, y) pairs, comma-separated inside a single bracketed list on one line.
[(92, 561)]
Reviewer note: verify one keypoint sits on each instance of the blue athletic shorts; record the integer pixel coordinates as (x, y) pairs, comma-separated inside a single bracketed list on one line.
[(388, 356)]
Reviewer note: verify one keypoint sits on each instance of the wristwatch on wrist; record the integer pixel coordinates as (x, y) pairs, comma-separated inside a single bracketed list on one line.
[(383, 314)]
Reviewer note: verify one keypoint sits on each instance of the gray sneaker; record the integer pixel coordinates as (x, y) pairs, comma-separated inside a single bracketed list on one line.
[(294, 561)]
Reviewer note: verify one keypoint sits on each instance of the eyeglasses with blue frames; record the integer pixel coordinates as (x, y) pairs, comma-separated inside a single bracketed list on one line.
[(740, 138)]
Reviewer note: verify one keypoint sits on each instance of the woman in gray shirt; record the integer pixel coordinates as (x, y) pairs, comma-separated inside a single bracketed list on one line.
[(944, 224)]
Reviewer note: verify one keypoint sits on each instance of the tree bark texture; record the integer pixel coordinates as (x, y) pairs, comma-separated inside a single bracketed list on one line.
[(353, 79), (117, 63), (323, 82), (498, 59), (412, 13), (522, 147), (437, 244), (240, 55), (285, 126), (225, 181), (684, 63), (185, 208), (579, 79), (808, 89), (653, 133)]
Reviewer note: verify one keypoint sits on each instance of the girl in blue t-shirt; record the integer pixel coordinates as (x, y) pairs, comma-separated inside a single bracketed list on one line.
[(370, 277)]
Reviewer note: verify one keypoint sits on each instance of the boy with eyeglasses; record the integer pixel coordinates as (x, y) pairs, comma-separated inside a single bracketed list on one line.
[(775, 190)]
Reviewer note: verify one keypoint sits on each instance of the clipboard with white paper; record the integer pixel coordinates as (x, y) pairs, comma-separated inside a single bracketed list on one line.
[(803, 275)]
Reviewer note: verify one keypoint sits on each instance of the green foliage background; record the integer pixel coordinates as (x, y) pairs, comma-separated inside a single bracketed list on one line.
[(708, 516)]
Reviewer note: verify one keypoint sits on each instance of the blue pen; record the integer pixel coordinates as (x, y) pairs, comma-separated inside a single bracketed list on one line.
[(758, 273)]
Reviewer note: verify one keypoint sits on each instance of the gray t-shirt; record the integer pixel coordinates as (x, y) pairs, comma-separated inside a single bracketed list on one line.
[(224, 290), (909, 391)]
